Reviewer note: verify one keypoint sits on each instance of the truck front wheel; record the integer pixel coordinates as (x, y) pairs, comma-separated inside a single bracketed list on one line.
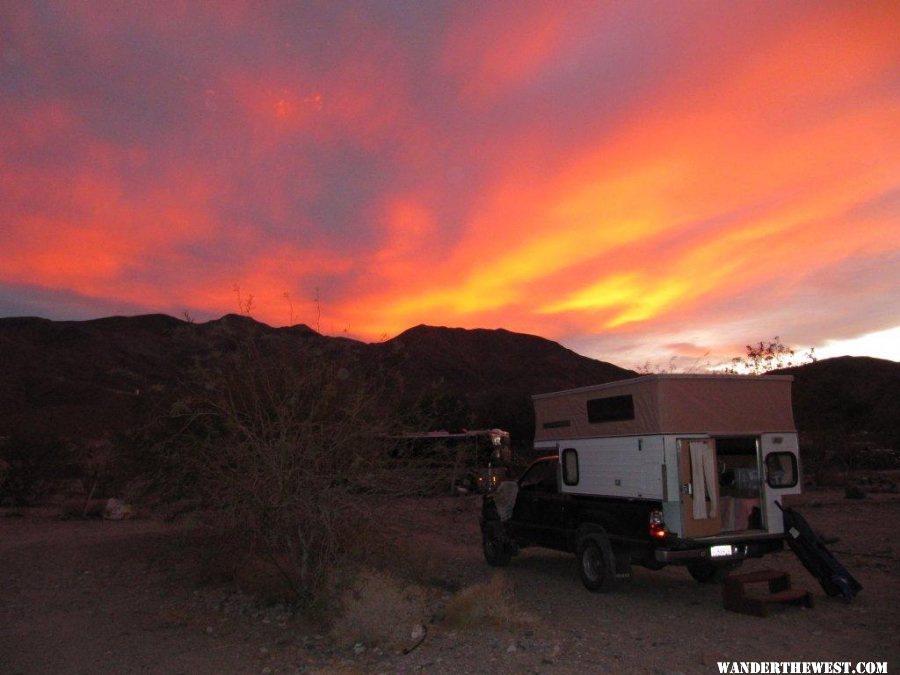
[(494, 545), (596, 563)]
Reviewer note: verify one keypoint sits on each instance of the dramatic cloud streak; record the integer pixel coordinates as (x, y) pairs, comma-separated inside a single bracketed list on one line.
[(634, 179)]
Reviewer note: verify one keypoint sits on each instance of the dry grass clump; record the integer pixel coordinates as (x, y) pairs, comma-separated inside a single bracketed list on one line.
[(490, 603), (420, 561), (379, 610), (422, 540)]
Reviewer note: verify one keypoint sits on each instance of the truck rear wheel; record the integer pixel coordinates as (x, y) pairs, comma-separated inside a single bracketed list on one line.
[(597, 564)]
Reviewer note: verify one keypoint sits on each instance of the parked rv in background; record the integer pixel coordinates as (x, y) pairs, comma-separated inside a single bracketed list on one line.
[(655, 470), (474, 460)]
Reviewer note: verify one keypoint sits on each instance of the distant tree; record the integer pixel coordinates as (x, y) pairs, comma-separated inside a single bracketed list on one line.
[(648, 368), (318, 302), (287, 297), (769, 355), (245, 305)]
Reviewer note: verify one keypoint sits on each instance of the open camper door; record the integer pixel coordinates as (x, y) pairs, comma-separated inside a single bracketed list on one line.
[(701, 513), (781, 475)]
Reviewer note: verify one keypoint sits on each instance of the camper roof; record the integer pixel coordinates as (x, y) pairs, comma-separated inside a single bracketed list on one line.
[(653, 404)]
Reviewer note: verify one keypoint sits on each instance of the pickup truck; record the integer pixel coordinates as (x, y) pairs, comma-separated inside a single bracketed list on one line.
[(607, 535)]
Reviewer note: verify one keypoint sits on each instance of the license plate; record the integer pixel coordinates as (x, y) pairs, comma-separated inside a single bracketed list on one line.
[(720, 551)]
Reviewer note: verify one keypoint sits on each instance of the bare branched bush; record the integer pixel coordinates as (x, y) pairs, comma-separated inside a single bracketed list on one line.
[(288, 450), (773, 354)]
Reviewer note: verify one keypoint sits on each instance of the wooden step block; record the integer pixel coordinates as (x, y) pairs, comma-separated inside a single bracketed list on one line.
[(777, 581), (757, 576), (796, 596), (735, 596), (759, 605)]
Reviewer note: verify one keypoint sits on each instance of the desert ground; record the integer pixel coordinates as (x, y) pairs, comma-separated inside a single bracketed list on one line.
[(138, 596)]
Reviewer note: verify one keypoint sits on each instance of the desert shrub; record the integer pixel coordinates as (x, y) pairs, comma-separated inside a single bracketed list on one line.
[(412, 560), (287, 450), (491, 603), (377, 609), (765, 356)]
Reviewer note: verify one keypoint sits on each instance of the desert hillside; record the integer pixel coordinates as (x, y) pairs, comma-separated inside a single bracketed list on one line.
[(90, 379), (78, 379)]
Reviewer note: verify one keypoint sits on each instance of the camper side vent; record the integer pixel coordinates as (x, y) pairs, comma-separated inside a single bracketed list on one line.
[(558, 424)]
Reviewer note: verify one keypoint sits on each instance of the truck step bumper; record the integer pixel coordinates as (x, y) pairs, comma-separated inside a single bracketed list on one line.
[(719, 552), (710, 553)]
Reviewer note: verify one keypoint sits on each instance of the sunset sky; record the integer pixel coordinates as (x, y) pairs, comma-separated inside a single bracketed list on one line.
[(636, 180)]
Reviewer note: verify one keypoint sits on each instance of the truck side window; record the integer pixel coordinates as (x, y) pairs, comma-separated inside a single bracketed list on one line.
[(541, 476), (532, 477), (570, 466)]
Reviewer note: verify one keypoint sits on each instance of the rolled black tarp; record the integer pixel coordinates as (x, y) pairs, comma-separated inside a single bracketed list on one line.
[(809, 547)]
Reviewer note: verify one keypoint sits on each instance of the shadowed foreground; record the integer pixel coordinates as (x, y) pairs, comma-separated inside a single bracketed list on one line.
[(133, 596)]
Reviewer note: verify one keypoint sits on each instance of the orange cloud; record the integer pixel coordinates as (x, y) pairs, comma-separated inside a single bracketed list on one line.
[(699, 158)]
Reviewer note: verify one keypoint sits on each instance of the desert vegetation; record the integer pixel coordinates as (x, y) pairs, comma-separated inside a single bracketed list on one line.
[(288, 454), (768, 355)]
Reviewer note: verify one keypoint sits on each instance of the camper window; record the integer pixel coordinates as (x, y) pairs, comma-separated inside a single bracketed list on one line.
[(781, 470), (611, 409), (570, 466)]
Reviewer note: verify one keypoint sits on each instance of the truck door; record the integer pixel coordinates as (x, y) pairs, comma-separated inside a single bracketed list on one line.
[(699, 487), (538, 515)]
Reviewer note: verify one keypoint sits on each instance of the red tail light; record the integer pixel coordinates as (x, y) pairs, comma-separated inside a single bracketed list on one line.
[(657, 525)]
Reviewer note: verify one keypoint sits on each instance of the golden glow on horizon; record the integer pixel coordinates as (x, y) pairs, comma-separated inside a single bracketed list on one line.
[(635, 298), (881, 344)]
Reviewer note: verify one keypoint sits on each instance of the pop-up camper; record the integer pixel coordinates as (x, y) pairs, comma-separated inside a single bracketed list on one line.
[(655, 470)]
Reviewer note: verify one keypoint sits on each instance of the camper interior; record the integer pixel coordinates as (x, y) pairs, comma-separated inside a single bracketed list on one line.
[(737, 459)]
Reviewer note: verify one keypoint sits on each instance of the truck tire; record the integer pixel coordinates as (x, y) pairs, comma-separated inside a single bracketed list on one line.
[(494, 545), (596, 563), (705, 572)]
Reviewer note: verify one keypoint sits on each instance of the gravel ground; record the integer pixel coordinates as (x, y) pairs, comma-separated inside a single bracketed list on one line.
[(127, 597)]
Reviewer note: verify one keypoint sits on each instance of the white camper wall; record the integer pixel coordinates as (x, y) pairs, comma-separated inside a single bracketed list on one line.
[(618, 467)]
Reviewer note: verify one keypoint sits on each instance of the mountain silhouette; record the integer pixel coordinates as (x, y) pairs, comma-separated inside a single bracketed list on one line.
[(86, 379)]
